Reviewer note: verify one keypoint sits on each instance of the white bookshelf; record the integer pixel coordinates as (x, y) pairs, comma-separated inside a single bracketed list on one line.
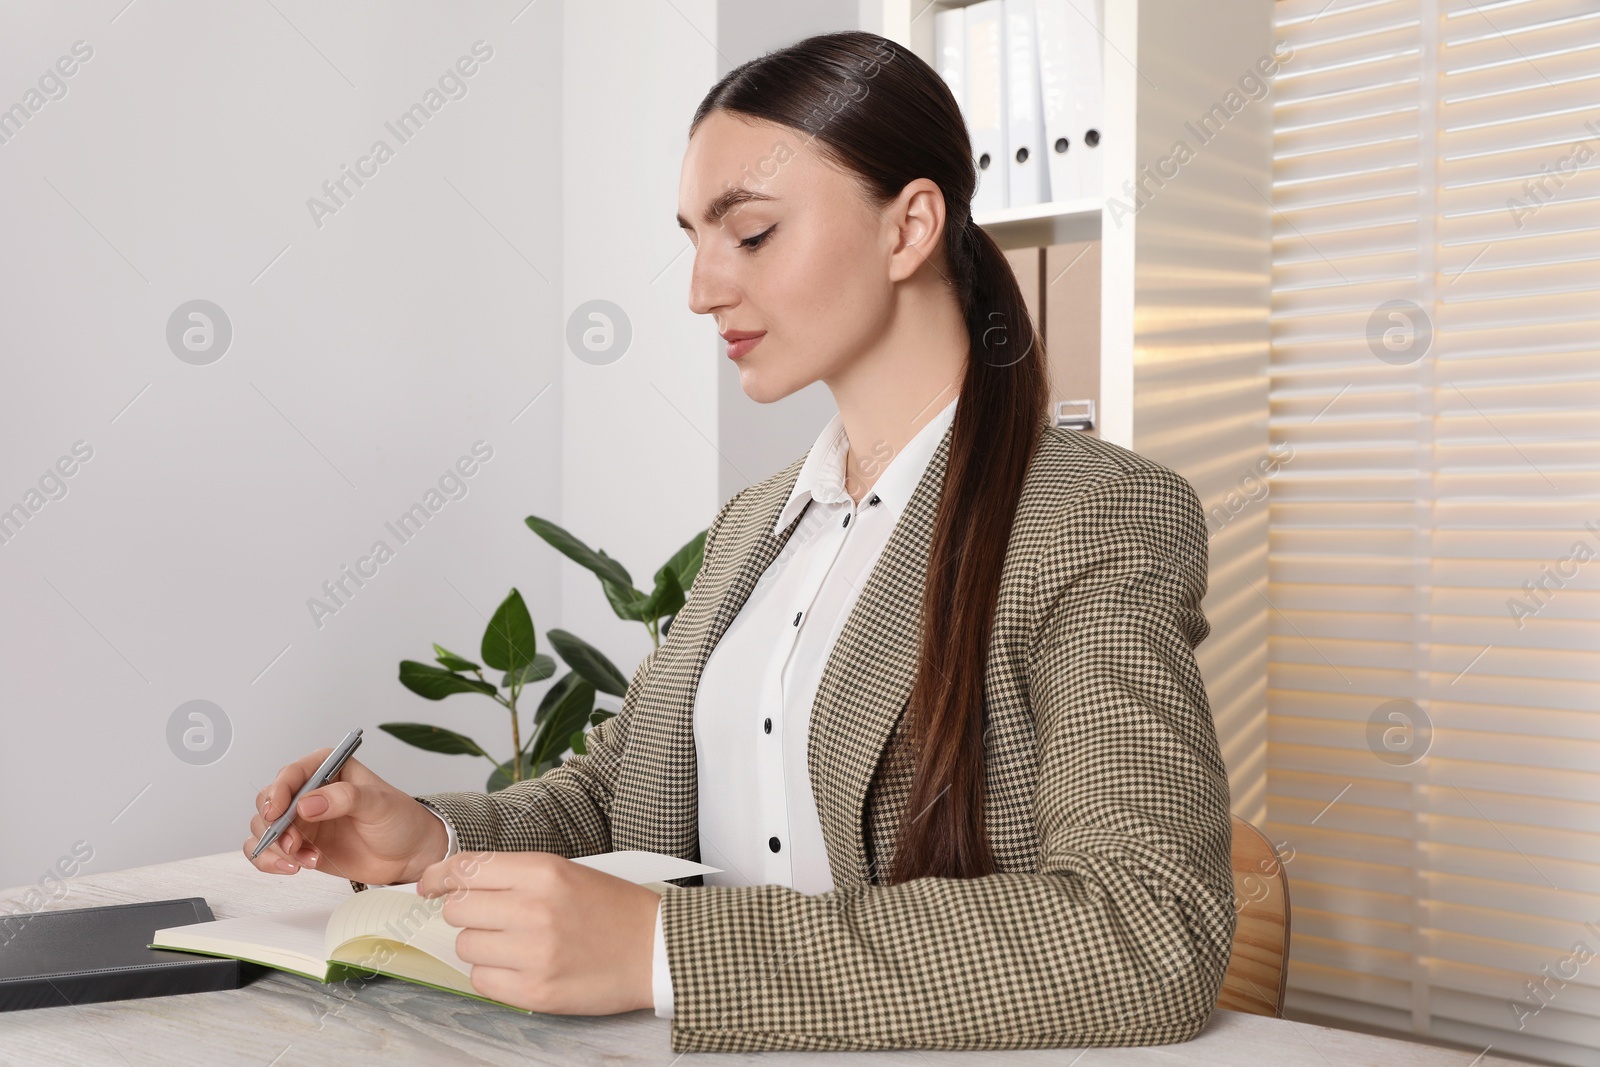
[(1185, 295), (1040, 224)]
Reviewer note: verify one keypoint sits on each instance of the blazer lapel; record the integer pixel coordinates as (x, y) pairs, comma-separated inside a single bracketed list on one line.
[(658, 800), (863, 691), (868, 678)]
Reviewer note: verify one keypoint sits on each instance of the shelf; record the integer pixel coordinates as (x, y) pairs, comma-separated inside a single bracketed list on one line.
[(1044, 224)]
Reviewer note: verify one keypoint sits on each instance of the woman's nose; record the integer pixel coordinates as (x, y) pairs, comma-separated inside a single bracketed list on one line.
[(709, 287)]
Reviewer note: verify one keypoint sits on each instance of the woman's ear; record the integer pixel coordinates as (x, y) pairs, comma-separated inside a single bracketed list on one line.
[(916, 220)]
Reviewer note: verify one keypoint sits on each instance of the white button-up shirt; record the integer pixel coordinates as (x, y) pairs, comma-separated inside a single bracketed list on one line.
[(752, 713)]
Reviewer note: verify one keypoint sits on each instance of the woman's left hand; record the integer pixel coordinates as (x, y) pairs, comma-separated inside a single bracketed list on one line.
[(545, 934)]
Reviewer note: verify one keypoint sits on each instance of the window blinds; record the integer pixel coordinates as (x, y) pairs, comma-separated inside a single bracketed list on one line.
[(1434, 700)]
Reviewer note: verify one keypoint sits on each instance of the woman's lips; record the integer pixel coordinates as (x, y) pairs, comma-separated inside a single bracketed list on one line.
[(738, 349)]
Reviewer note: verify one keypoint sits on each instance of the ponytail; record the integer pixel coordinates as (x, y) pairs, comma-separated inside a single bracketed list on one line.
[(999, 417)]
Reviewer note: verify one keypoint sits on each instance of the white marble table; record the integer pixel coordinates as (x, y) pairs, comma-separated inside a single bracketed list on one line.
[(286, 1021)]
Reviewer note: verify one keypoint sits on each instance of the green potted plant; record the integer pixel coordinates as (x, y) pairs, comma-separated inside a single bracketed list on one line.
[(510, 646)]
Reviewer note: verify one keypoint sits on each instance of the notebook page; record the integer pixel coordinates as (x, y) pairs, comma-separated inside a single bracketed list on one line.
[(398, 913), (639, 866), (277, 938)]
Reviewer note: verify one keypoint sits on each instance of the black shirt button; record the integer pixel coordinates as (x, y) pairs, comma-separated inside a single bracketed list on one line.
[(797, 618), (874, 500), (847, 520), (773, 844), (767, 726)]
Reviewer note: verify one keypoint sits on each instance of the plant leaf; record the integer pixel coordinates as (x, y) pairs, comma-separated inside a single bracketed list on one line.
[(508, 642), (667, 597), (685, 562), (453, 661), (589, 662), (433, 738), (568, 715), (626, 601), (541, 668), (552, 699), (673, 581), (580, 743), (436, 683), (604, 567)]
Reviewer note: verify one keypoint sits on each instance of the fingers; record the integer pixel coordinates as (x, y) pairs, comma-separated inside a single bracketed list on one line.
[(335, 800), (488, 948), (272, 859), (288, 853), (484, 911), (298, 842), (274, 799), (518, 870), (348, 795)]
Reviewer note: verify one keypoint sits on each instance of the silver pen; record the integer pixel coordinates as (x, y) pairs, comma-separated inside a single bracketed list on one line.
[(325, 774)]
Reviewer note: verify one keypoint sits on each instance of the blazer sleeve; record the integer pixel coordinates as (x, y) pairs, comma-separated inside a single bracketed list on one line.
[(1122, 934), (566, 810)]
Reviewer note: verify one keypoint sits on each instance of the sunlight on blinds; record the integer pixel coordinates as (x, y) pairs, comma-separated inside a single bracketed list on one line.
[(1434, 701)]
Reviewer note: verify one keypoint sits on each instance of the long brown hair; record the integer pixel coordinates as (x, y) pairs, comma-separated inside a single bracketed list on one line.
[(878, 111)]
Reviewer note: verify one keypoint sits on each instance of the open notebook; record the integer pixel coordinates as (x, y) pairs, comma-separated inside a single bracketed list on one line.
[(386, 930)]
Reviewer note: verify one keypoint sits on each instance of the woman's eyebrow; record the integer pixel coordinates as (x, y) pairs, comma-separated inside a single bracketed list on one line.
[(725, 203)]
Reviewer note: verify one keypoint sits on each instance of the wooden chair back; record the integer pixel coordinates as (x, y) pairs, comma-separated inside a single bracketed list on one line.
[(1258, 970)]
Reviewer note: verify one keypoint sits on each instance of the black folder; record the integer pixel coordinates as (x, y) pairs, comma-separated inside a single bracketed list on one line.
[(87, 955)]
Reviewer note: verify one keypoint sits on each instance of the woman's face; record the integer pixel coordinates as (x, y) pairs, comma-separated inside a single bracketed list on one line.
[(793, 252)]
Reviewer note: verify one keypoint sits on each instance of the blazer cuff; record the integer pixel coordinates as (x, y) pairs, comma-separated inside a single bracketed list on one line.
[(660, 974), (451, 848)]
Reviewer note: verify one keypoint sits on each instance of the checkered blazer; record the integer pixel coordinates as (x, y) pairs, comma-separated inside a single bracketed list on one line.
[(1111, 917)]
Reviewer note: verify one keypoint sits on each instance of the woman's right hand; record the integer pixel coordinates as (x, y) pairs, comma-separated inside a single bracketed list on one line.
[(357, 826)]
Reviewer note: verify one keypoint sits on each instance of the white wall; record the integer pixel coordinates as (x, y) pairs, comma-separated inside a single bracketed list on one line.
[(640, 431), (368, 353)]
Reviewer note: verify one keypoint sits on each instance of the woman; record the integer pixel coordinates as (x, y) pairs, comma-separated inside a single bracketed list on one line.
[(946, 658)]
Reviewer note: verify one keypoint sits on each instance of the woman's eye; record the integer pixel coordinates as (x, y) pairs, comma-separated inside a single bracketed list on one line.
[(756, 241)]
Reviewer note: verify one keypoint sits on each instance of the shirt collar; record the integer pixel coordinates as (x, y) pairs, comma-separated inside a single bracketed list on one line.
[(822, 475)]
